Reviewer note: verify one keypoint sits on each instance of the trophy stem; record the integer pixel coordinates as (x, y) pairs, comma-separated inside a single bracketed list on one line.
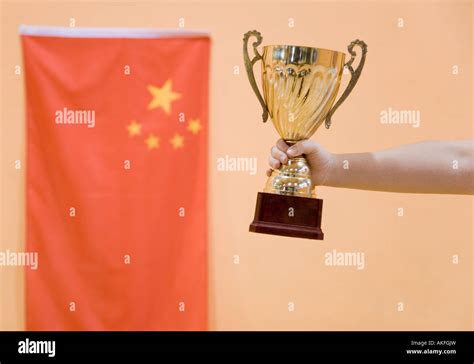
[(292, 179)]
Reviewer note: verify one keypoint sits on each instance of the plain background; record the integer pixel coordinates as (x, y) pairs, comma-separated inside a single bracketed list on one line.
[(408, 259)]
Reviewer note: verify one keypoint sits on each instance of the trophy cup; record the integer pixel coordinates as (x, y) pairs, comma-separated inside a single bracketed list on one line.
[(300, 86)]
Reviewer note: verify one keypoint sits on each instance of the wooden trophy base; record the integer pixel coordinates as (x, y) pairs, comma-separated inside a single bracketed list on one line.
[(298, 217)]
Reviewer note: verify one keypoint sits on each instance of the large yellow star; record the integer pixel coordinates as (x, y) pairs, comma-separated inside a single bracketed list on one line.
[(194, 126), (162, 97), (177, 141), (134, 128), (152, 142)]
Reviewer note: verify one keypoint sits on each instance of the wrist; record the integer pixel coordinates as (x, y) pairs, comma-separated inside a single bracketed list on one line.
[(330, 170)]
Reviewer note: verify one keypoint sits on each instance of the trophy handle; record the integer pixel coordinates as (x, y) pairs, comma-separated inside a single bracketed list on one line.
[(355, 74), (249, 67)]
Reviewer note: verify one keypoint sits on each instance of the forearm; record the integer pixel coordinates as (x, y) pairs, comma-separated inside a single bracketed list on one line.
[(427, 167)]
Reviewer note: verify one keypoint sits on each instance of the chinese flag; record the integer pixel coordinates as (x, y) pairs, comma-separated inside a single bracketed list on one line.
[(117, 124)]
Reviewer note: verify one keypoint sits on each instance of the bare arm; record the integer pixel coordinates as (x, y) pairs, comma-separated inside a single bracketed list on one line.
[(443, 167), (427, 167)]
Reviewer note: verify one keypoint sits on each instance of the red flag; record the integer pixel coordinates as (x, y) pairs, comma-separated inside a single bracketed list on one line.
[(117, 125)]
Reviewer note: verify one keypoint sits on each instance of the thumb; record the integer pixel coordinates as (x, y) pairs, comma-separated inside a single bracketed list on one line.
[(302, 147)]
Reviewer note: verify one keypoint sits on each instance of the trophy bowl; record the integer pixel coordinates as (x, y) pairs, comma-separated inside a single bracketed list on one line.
[(300, 86)]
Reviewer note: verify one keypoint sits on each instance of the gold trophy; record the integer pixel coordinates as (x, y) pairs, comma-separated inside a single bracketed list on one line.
[(300, 86)]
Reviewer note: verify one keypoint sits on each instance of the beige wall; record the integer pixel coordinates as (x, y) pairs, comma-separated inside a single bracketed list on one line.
[(408, 259)]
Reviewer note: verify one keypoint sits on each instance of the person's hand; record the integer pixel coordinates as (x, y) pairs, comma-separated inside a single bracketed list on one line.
[(319, 159)]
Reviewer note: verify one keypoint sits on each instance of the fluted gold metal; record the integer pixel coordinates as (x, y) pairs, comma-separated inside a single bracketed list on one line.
[(300, 85)]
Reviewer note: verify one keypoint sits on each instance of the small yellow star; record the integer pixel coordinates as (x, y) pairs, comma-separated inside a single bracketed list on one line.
[(177, 141), (152, 142), (194, 126), (134, 128), (162, 97)]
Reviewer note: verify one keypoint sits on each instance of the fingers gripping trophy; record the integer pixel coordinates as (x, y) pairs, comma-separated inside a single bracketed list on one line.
[(300, 86)]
